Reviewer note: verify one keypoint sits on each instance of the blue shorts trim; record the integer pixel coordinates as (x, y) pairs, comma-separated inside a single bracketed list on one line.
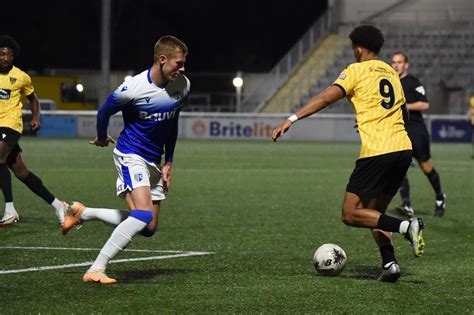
[(126, 177)]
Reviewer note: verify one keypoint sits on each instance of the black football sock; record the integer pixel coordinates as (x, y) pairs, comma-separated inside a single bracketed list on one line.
[(388, 254), (389, 224), (435, 181), (405, 192), (35, 184), (6, 183)]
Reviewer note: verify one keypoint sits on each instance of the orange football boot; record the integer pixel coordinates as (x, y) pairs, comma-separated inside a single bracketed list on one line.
[(98, 276), (73, 218)]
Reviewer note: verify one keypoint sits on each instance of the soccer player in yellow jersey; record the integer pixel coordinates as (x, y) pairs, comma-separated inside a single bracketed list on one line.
[(13, 84), (375, 91), (471, 110)]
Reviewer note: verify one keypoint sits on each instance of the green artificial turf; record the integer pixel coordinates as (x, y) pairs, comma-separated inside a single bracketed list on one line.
[(261, 209)]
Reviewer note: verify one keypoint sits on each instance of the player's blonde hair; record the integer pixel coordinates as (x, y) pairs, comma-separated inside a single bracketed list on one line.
[(401, 53), (169, 45)]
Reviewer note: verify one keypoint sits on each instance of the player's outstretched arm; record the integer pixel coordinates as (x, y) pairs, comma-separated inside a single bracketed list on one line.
[(282, 128), (103, 142), (169, 151), (314, 105), (112, 105), (166, 170), (35, 111)]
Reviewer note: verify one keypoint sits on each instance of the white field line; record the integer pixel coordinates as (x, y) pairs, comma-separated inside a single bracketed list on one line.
[(92, 249), (228, 170), (446, 165), (176, 254)]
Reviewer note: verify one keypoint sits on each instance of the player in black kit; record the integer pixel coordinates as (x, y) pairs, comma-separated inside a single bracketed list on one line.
[(417, 102)]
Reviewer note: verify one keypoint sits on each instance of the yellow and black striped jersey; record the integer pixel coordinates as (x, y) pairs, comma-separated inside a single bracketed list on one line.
[(13, 85), (375, 91)]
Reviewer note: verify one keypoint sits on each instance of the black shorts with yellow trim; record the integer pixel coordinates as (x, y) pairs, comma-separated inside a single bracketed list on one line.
[(379, 174)]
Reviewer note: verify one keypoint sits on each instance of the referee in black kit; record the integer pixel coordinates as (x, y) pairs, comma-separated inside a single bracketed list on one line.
[(417, 102)]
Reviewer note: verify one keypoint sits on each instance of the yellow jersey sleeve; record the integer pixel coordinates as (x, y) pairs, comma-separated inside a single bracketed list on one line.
[(27, 88), (347, 80)]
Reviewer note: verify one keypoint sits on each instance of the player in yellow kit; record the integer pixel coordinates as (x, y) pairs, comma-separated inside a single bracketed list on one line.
[(375, 91), (13, 84), (471, 110)]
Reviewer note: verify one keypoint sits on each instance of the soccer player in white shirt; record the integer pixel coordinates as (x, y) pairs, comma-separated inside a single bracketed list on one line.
[(150, 103)]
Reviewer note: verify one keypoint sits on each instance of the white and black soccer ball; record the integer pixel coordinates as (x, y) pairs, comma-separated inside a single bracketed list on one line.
[(329, 259)]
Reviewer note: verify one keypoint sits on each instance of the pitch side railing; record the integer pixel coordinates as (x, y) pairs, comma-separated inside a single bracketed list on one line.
[(285, 67)]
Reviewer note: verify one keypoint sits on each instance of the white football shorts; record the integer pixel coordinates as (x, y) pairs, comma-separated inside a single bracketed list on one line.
[(134, 171)]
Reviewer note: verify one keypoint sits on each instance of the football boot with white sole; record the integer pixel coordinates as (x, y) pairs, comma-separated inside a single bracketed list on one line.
[(390, 272), (414, 235)]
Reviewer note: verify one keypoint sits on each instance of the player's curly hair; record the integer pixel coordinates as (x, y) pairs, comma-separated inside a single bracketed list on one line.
[(367, 36), (10, 42)]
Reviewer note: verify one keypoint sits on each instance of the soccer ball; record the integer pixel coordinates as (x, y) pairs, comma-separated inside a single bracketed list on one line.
[(329, 259)]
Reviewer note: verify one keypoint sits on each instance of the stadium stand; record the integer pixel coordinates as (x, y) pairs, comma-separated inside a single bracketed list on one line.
[(439, 40), (441, 59), (308, 73)]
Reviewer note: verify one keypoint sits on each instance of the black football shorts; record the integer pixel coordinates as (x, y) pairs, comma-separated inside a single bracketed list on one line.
[(379, 174), (9, 136), (420, 141)]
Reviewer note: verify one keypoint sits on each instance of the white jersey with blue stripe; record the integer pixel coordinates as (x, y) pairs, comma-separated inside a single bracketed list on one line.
[(150, 115)]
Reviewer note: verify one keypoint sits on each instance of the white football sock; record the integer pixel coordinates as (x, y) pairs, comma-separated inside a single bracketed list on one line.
[(120, 238), (60, 209), (57, 204), (404, 227), (9, 208), (110, 216)]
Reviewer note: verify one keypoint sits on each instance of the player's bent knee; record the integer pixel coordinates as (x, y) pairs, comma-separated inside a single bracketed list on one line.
[(347, 217), (147, 232), (21, 174), (347, 220), (143, 215)]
